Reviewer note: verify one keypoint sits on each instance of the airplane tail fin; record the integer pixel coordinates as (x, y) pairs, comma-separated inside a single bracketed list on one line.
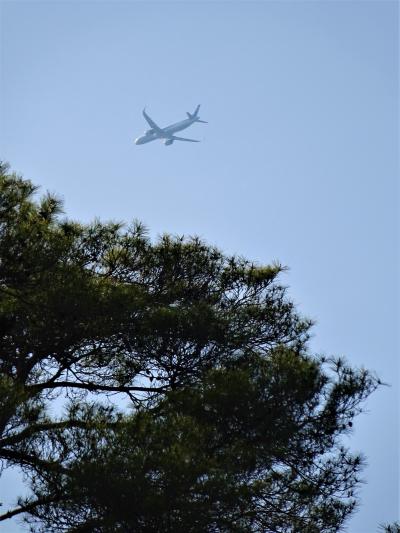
[(194, 115)]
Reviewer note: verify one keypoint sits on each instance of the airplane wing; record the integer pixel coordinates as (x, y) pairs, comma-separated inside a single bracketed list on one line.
[(152, 124), (183, 139)]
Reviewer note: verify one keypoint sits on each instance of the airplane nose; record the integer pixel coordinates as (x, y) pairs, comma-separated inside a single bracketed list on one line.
[(138, 141)]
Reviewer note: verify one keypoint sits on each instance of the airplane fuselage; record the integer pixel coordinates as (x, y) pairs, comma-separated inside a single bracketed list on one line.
[(167, 132)]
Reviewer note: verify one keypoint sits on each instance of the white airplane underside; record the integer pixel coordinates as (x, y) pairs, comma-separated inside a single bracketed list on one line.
[(167, 134)]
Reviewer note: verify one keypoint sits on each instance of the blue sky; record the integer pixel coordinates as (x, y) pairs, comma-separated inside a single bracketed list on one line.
[(299, 161)]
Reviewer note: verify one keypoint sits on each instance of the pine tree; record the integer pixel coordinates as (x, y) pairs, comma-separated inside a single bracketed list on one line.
[(234, 425)]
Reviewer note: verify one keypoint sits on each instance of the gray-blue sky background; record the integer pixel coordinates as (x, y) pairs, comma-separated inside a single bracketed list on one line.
[(298, 163)]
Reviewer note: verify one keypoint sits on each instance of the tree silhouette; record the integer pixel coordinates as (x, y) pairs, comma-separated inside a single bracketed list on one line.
[(234, 425)]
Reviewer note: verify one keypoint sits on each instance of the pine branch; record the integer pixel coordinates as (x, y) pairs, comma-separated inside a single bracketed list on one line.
[(38, 428), (93, 387), (22, 458), (25, 508)]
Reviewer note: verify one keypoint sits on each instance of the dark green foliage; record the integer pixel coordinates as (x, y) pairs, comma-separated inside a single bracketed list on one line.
[(234, 425), (391, 528)]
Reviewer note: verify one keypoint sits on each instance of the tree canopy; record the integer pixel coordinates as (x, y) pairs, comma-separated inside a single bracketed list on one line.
[(233, 426)]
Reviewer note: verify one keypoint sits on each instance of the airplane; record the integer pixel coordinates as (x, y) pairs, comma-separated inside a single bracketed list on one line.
[(167, 134)]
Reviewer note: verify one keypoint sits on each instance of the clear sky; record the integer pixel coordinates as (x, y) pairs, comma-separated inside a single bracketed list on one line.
[(299, 161)]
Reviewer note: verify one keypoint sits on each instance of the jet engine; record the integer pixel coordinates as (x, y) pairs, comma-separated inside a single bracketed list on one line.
[(167, 142)]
